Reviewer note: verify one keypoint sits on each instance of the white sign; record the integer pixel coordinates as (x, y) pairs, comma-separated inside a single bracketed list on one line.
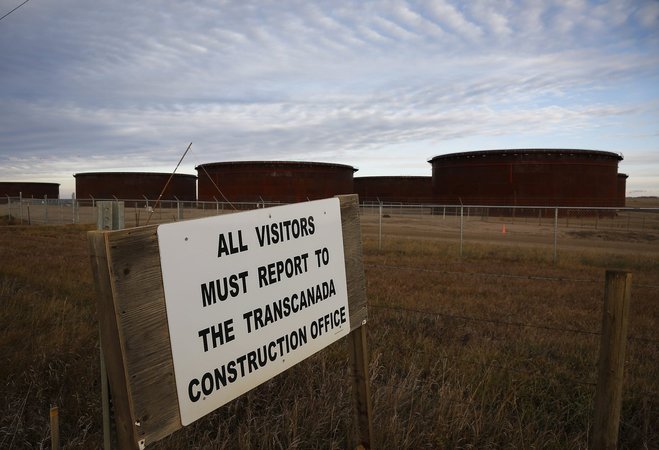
[(249, 295)]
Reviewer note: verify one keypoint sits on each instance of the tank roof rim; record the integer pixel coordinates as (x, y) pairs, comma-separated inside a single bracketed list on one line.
[(278, 163), (517, 151), (29, 182), (137, 173), (393, 176)]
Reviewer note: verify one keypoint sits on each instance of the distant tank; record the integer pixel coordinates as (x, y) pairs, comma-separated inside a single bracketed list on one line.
[(394, 189), (28, 189), (135, 186), (272, 181)]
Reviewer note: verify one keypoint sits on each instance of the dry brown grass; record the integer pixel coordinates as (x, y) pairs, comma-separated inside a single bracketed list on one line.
[(461, 357)]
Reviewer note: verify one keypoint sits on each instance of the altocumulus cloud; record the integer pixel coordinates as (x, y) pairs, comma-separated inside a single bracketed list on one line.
[(126, 85)]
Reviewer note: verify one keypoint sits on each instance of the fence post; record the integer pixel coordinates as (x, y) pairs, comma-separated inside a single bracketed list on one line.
[(179, 213), (380, 232), (20, 205), (9, 208), (555, 234), (54, 428), (608, 395), (461, 227), (361, 388)]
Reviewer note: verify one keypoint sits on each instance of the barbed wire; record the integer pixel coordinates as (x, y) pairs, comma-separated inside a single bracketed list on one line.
[(532, 373), (501, 322), (482, 319), (497, 275)]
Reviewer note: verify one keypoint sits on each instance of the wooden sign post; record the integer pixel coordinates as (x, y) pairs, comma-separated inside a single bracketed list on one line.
[(284, 257)]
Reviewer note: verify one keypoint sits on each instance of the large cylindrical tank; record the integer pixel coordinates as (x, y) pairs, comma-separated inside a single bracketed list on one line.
[(531, 177), (135, 185), (28, 189), (272, 181), (394, 189)]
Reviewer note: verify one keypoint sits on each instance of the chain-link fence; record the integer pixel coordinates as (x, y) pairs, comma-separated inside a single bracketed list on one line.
[(15, 210), (541, 226)]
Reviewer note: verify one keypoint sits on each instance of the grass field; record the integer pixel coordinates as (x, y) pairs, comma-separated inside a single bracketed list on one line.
[(494, 349)]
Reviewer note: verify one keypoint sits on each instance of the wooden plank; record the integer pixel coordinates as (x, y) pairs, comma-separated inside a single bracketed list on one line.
[(140, 301), (352, 249), (110, 340), (134, 327), (608, 395), (141, 316)]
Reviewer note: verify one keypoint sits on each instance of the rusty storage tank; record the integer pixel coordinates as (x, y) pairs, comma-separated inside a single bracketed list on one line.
[(622, 189), (529, 177), (28, 189), (394, 189), (135, 185), (273, 181)]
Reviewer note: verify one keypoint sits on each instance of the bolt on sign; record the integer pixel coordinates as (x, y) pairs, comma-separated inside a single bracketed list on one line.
[(248, 296)]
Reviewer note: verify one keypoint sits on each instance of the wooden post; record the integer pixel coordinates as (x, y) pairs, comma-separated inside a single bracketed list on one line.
[(352, 249), (608, 395), (362, 414), (54, 428)]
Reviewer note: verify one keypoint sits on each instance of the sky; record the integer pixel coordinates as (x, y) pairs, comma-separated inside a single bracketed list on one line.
[(380, 85)]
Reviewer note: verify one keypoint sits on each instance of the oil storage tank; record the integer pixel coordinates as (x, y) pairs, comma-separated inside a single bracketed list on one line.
[(527, 177), (135, 185), (394, 189), (28, 189), (272, 181)]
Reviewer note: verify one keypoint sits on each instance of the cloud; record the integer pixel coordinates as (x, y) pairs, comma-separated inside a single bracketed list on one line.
[(130, 84)]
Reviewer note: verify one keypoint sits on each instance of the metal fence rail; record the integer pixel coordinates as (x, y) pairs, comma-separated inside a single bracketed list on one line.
[(541, 225), (61, 211)]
